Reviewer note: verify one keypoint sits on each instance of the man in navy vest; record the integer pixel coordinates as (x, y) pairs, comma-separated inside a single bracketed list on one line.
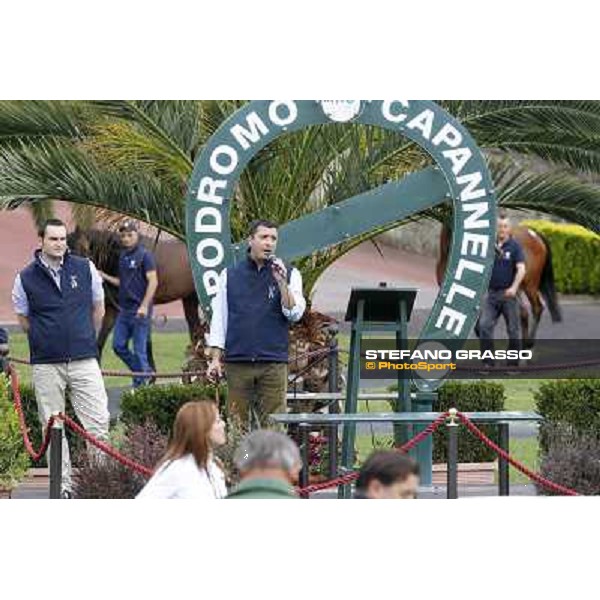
[(137, 283), (501, 299), (59, 302), (256, 301)]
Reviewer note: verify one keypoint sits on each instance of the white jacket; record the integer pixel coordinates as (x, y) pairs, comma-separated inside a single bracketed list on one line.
[(183, 479)]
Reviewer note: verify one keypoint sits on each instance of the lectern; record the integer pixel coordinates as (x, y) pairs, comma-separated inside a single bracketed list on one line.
[(380, 309)]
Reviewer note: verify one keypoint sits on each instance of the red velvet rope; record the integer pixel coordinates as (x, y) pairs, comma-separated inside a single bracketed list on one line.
[(343, 480)]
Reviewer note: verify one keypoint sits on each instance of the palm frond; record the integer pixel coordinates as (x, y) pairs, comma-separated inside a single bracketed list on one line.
[(566, 133), (134, 158), (36, 118), (154, 123), (63, 171), (557, 194)]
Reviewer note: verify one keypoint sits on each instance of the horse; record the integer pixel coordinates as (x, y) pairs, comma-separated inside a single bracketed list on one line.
[(538, 284), (175, 280)]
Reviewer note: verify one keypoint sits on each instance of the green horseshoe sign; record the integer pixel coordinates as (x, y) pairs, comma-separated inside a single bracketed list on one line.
[(460, 174)]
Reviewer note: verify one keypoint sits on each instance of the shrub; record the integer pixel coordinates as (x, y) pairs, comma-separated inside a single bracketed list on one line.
[(235, 433), (160, 403), (571, 459), (575, 256), (475, 396), (100, 476), (573, 402), (14, 461)]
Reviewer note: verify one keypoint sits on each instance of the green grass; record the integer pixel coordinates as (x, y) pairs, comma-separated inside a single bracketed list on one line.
[(169, 351), (525, 450), (519, 393)]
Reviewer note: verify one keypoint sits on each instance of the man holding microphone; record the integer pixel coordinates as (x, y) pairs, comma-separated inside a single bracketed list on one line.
[(256, 301)]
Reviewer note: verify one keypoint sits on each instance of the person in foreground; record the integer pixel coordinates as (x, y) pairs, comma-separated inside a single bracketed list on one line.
[(189, 470), (269, 463), (388, 475)]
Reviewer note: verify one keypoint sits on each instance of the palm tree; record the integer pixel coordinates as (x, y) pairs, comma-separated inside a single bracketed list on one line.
[(135, 158)]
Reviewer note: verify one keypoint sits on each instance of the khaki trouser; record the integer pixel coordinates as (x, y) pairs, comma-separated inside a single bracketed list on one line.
[(88, 397), (260, 386)]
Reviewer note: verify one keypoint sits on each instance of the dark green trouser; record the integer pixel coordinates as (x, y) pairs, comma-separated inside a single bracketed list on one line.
[(260, 385)]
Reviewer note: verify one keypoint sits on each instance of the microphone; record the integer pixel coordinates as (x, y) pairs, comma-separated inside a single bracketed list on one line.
[(270, 260)]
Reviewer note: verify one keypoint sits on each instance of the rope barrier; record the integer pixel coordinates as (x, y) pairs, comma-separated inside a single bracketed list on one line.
[(532, 368), (106, 448), (172, 374), (321, 353), (350, 477), (35, 454), (342, 480), (555, 487), (74, 426)]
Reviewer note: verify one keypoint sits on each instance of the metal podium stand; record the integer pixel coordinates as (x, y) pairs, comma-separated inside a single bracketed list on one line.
[(381, 309)]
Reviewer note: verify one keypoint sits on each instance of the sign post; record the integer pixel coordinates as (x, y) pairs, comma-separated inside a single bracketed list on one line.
[(459, 174)]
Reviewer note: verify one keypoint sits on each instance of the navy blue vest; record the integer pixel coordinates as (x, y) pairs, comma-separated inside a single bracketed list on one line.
[(257, 330), (61, 327)]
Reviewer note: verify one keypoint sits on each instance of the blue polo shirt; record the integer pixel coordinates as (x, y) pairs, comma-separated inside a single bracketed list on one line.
[(133, 266), (505, 264)]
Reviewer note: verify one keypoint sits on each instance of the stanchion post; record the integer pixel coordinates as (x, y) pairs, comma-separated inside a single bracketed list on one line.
[(503, 473), (332, 360), (305, 451), (56, 439), (452, 479)]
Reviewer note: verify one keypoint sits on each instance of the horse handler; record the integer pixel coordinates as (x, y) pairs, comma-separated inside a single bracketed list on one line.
[(501, 299), (137, 283), (59, 302), (256, 301)]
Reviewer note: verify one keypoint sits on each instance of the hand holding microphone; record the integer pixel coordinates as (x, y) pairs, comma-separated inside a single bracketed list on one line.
[(277, 268)]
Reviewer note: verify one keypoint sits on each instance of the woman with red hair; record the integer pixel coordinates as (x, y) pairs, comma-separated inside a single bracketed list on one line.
[(189, 469)]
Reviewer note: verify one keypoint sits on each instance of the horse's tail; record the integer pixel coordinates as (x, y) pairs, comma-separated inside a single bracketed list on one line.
[(547, 287)]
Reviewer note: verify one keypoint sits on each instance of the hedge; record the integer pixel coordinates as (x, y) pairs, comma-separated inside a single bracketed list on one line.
[(474, 396), (160, 403), (575, 256), (14, 461), (572, 402)]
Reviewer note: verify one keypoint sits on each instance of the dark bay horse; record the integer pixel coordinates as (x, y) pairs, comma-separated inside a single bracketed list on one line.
[(537, 285), (175, 281)]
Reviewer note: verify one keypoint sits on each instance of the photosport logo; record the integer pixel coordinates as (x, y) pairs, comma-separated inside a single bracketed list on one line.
[(459, 175)]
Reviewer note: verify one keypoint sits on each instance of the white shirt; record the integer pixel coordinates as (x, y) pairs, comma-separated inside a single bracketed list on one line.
[(218, 323), (182, 479)]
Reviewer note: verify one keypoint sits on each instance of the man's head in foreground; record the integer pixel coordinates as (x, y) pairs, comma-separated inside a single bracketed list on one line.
[(265, 454), (388, 475)]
